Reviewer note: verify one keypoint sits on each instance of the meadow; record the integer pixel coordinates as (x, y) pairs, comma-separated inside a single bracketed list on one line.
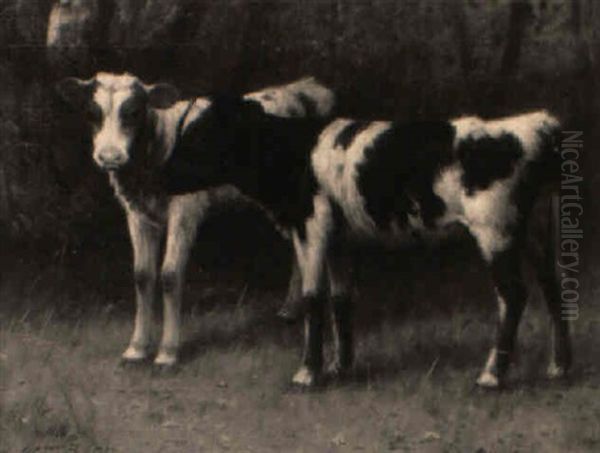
[(424, 319), (424, 324)]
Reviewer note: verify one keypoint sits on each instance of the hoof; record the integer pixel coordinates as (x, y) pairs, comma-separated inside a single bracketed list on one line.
[(305, 379), (489, 381), (134, 354), (164, 370), (128, 364), (556, 372), (338, 372), (290, 313), (166, 359)]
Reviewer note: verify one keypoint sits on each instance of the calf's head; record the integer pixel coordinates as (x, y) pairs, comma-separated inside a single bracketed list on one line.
[(118, 108)]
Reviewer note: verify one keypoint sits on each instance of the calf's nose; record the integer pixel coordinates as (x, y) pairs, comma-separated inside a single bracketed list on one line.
[(111, 157)]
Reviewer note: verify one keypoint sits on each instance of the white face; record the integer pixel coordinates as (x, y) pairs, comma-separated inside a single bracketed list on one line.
[(117, 112), (117, 107)]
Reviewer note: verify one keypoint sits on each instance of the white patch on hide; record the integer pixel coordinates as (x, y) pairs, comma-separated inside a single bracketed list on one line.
[(336, 170), (284, 100)]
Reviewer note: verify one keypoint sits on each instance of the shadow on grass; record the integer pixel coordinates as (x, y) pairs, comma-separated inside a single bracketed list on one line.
[(402, 288), (247, 326)]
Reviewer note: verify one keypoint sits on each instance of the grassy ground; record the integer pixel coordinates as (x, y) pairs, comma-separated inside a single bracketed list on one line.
[(62, 389)]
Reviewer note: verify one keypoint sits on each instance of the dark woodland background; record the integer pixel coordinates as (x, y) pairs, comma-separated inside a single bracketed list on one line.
[(385, 59), (424, 321)]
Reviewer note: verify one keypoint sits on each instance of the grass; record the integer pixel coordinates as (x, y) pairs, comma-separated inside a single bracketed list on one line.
[(413, 390)]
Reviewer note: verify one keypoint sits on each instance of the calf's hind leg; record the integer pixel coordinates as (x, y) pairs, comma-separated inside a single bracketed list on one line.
[(547, 270), (511, 294), (340, 275), (294, 292), (560, 359), (145, 240)]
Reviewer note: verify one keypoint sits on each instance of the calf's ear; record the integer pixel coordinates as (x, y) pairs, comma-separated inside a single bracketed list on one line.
[(252, 109), (162, 95), (74, 91)]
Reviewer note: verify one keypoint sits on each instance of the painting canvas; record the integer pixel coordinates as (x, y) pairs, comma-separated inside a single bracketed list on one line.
[(300, 225)]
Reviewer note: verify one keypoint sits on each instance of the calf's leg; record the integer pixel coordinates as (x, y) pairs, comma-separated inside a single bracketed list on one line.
[(294, 292), (311, 249), (184, 213), (560, 342), (340, 275), (145, 240), (511, 294)]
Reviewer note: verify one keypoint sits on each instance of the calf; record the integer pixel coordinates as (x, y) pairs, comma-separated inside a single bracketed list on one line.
[(391, 181), (135, 128)]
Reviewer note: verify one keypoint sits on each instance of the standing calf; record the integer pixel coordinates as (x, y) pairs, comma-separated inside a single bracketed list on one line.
[(326, 183), (135, 128)]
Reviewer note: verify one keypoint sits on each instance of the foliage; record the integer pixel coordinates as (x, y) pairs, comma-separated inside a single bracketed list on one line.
[(413, 59)]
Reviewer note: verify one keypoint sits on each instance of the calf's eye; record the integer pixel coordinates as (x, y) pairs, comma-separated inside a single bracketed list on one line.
[(131, 114), (93, 114)]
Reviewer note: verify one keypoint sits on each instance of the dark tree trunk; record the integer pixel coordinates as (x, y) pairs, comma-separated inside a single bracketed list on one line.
[(461, 34), (519, 17), (250, 43), (576, 17), (520, 14)]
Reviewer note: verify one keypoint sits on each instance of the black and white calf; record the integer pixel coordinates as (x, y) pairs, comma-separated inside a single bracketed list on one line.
[(326, 183), (135, 128)]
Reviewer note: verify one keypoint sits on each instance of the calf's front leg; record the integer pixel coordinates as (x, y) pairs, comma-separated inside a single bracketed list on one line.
[(311, 249), (145, 240), (184, 214)]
